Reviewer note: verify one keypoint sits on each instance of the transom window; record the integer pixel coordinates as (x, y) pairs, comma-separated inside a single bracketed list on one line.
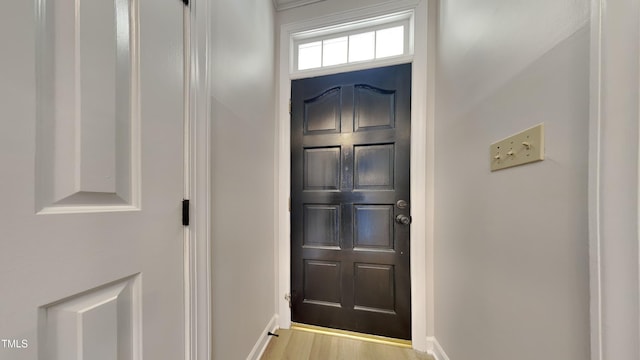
[(369, 40)]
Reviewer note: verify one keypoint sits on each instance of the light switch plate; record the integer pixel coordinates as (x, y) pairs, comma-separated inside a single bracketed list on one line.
[(519, 149)]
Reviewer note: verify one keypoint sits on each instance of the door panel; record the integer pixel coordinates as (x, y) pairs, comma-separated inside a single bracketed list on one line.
[(350, 152), (87, 100), (101, 323), (91, 156)]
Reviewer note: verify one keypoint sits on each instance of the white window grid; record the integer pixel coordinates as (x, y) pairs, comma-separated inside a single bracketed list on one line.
[(327, 34)]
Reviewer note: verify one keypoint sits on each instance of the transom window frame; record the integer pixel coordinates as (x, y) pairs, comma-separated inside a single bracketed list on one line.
[(404, 18)]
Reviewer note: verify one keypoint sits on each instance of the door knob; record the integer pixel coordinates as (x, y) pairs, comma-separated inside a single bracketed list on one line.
[(403, 219)]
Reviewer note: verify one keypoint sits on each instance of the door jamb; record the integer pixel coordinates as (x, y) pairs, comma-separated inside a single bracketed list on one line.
[(614, 218), (197, 172), (422, 162)]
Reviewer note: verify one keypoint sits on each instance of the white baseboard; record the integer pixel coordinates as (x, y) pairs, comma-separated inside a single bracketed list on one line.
[(434, 349), (263, 341)]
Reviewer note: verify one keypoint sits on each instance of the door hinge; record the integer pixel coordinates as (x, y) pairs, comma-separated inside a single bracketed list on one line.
[(186, 2), (289, 204), (289, 107), (185, 212), (287, 297)]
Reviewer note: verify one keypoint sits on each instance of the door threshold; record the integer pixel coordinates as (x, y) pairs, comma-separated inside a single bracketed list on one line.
[(352, 335)]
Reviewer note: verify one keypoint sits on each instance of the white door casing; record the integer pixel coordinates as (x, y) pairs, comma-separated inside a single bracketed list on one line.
[(198, 183), (614, 180), (92, 250)]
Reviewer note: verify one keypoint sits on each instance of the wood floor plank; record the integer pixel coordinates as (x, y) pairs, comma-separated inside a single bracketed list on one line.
[(277, 345), (324, 346), (303, 345)]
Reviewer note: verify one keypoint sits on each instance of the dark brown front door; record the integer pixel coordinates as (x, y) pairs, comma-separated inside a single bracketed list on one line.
[(350, 147)]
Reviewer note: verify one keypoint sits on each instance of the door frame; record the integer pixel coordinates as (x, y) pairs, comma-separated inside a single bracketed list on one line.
[(197, 172), (422, 159), (614, 171)]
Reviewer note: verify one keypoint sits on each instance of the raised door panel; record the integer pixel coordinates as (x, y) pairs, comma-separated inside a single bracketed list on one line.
[(322, 113), (322, 283), (374, 167), (100, 324), (88, 144), (374, 289), (322, 226), (373, 227), (322, 168), (374, 108)]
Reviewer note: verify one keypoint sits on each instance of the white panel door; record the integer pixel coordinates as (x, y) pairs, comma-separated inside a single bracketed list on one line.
[(91, 179)]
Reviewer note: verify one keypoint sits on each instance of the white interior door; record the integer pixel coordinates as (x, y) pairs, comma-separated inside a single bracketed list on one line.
[(91, 179)]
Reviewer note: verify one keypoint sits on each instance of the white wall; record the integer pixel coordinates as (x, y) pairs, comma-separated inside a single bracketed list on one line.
[(512, 275), (243, 101)]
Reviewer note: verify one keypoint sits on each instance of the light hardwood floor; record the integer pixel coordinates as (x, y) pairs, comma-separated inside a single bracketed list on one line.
[(302, 345)]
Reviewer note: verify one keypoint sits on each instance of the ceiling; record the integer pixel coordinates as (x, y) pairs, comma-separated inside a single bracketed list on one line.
[(288, 4)]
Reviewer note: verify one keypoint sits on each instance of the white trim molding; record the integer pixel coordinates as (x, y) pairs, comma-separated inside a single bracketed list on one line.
[(281, 5), (263, 340), (198, 184), (422, 155), (434, 349), (595, 271), (405, 19), (614, 180)]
